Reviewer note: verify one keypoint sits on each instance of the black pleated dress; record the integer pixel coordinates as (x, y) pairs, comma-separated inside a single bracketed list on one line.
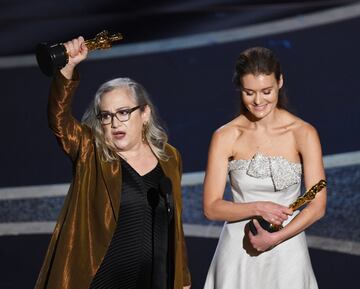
[(138, 253)]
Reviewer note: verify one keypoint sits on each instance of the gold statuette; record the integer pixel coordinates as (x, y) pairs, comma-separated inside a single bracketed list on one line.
[(103, 40), (308, 196), (53, 57)]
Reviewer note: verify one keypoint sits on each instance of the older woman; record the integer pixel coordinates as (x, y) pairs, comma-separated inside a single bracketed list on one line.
[(120, 226)]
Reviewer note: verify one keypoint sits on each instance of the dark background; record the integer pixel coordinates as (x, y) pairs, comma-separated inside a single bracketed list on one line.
[(25, 23), (192, 87)]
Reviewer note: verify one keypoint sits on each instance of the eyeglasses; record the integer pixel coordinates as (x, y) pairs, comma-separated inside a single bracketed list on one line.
[(106, 117)]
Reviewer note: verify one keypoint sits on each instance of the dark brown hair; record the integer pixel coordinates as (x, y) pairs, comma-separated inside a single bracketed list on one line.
[(258, 60)]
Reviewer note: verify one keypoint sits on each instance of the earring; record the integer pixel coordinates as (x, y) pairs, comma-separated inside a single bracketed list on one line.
[(144, 131)]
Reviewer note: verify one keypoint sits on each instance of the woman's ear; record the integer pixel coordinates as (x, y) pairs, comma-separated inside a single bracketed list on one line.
[(146, 113), (281, 81)]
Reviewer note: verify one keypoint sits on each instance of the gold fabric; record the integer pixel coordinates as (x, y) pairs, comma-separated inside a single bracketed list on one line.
[(88, 218)]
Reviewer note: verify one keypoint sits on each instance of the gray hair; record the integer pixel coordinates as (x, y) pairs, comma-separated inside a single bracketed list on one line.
[(154, 133)]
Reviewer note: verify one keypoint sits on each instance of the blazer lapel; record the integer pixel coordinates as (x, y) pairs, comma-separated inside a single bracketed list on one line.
[(170, 170), (166, 167), (111, 173)]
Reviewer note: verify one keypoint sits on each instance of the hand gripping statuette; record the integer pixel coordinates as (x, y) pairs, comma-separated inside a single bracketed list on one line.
[(299, 202), (54, 57)]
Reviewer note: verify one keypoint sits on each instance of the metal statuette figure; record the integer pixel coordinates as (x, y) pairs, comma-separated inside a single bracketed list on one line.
[(102, 40), (299, 202), (308, 196), (54, 57)]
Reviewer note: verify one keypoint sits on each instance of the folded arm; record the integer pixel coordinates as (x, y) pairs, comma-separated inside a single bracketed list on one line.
[(215, 207), (309, 147)]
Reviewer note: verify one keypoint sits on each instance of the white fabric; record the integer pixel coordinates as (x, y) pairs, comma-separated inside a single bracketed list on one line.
[(236, 265)]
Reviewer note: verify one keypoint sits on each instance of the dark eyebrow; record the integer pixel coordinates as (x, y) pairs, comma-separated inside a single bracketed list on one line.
[(265, 88)]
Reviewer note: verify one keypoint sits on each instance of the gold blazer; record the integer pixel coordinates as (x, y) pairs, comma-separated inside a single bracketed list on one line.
[(89, 216)]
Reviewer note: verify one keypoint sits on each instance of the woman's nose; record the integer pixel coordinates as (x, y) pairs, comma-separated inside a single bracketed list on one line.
[(257, 99), (115, 122)]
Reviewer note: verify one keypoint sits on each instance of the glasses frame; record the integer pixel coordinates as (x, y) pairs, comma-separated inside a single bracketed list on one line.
[(129, 111)]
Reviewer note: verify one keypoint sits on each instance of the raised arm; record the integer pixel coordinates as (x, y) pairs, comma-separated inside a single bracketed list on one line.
[(215, 207), (66, 128)]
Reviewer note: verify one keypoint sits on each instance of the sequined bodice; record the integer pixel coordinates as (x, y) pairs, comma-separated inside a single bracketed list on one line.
[(268, 178)]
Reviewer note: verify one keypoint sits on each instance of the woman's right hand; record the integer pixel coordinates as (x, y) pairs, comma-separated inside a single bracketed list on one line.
[(274, 213), (77, 52)]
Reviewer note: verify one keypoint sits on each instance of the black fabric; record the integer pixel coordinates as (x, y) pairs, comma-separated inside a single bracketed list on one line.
[(138, 253), (159, 232)]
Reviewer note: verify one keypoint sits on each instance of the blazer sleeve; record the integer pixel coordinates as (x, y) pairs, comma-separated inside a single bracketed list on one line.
[(186, 271), (66, 128)]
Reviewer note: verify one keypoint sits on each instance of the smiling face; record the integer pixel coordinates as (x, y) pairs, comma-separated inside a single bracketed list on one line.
[(260, 93), (124, 136)]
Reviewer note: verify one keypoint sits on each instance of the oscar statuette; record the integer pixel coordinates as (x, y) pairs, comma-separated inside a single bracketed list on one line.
[(299, 202), (54, 57)]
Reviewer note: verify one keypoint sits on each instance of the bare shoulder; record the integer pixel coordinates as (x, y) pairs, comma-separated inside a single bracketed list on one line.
[(304, 129), (305, 133), (225, 137), (229, 132)]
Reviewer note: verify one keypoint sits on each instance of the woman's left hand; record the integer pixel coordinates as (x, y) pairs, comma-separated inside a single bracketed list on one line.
[(186, 287), (263, 240)]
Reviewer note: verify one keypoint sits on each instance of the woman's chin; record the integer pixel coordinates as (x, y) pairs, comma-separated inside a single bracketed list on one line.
[(260, 114), (120, 146)]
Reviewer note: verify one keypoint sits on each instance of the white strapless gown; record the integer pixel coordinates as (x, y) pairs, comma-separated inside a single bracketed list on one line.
[(236, 265)]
